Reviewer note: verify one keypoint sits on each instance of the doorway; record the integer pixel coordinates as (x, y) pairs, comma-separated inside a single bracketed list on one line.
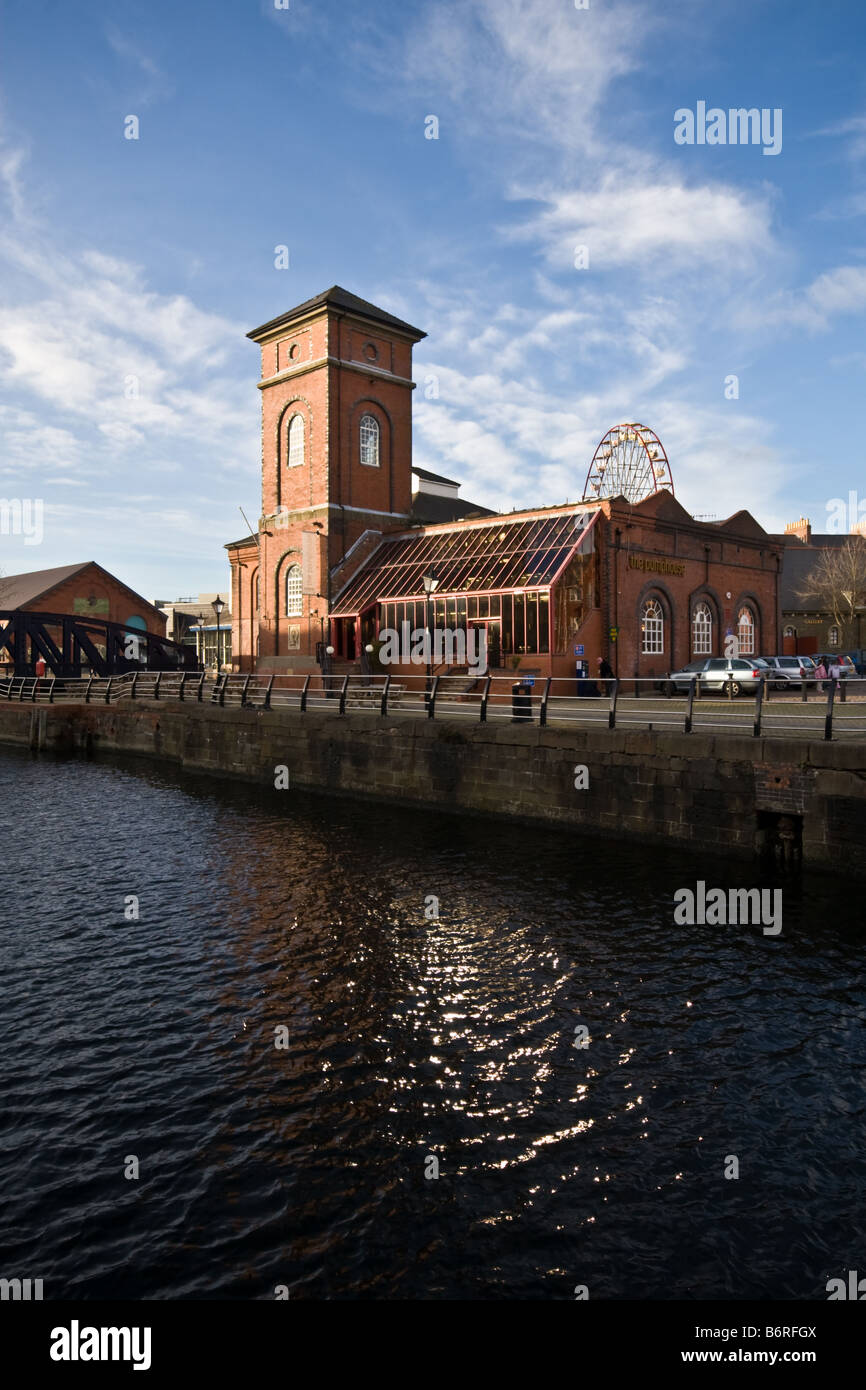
[(493, 633)]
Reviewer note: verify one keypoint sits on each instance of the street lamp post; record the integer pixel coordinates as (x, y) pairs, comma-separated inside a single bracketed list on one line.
[(218, 606), (431, 584)]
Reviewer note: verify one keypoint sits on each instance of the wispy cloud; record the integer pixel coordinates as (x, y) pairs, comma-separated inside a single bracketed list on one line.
[(155, 85), (655, 226)]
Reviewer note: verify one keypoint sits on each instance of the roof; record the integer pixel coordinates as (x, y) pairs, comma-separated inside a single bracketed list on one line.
[(526, 553), (434, 477), (19, 590), (338, 298), (430, 508), (828, 540), (798, 561), (244, 540)]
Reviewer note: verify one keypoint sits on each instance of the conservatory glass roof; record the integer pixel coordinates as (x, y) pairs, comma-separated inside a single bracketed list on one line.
[(468, 558)]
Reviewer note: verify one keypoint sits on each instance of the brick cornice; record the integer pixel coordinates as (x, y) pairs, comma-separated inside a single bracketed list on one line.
[(289, 373)]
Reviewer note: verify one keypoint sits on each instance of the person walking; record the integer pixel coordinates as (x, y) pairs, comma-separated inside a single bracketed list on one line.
[(821, 672), (605, 673)]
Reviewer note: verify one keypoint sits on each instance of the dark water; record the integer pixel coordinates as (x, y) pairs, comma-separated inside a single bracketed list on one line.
[(408, 1038)]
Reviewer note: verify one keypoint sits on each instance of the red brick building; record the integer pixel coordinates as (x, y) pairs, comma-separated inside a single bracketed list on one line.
[(343, 544), (84, 591)]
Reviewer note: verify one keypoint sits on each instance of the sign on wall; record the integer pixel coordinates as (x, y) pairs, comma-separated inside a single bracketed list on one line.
[(91, 607), (311, 566), (653, 565)]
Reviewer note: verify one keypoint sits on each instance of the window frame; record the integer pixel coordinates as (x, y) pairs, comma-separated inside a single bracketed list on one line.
[(750, 627), (705, 627), (652, 628), (291, 446), (370, 423), (294, 573)]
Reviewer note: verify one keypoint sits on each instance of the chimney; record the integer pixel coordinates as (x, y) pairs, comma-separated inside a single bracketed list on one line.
[(802, 529)]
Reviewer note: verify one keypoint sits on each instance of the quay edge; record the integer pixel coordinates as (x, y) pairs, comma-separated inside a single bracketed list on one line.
[(713, 794)]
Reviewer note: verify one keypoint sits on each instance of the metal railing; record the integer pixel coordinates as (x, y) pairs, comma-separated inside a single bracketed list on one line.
[(106, 690), (816, 709)]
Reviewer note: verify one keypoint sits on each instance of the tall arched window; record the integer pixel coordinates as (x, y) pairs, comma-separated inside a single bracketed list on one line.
[(258, 599), (702, 630), (296, 441), (652, 626), (294, 592), (746, 631), (370, 441), (833, 636), (790, 632)]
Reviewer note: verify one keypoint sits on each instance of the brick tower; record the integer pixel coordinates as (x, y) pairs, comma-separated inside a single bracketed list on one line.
[(336, 464)]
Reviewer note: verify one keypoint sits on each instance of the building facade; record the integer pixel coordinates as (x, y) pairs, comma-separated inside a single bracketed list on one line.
[(808, 625), (344, 545)]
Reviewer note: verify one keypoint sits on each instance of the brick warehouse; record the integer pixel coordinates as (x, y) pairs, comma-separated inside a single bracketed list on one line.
[(343, 543)]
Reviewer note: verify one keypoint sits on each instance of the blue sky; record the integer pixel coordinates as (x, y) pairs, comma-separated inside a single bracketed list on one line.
[(150, 259)]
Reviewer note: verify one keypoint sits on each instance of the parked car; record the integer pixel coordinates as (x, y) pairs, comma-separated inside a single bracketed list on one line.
[(678, 682), (719, 673), (849, 670), (790, 670)]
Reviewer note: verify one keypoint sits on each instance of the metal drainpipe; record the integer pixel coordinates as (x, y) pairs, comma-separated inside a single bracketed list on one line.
[(617, 534)]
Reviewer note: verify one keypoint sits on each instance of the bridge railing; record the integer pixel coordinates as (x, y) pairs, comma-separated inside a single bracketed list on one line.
[(823, 710)]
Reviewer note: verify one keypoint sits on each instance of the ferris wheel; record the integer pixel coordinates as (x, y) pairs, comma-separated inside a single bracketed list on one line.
[(629, 462)]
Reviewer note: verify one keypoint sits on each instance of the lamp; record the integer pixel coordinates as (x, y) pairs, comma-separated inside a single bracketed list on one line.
[(431, 584), (218, 606)]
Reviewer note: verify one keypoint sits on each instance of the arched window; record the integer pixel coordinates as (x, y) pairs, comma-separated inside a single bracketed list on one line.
[(702, 630), (652, 626), (746, 631), (790, 632), (258, 596), (296, 441), (370, 441), (294, 592), (833, 636)]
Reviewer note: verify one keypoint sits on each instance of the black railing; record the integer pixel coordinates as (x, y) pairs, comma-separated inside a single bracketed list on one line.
[(556, 700)]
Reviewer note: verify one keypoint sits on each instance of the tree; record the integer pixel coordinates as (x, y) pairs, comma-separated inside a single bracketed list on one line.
[(838, 585)]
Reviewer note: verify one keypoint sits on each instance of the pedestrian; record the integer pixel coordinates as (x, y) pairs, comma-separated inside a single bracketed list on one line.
[(40, 667), (834, 670), (821, 672), (605, 673)]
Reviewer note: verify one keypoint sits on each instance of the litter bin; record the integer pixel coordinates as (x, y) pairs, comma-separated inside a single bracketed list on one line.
[(521, 702)]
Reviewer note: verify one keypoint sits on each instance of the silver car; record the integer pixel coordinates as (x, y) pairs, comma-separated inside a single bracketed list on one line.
[(719, 673), (790, 670)]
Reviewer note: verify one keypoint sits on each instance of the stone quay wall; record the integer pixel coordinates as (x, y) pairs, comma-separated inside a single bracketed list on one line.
[(710, 794)]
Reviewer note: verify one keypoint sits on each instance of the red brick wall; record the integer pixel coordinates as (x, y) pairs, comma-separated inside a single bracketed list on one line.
[(331, 397), (94, 583), (714, 564)]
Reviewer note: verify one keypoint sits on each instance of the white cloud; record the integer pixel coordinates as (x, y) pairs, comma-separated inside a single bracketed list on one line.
[(836, 292), (853, 131), (653, 225), (527, 69)]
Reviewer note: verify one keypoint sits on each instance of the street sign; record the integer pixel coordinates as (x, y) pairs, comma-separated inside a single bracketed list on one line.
[(578, 651)]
